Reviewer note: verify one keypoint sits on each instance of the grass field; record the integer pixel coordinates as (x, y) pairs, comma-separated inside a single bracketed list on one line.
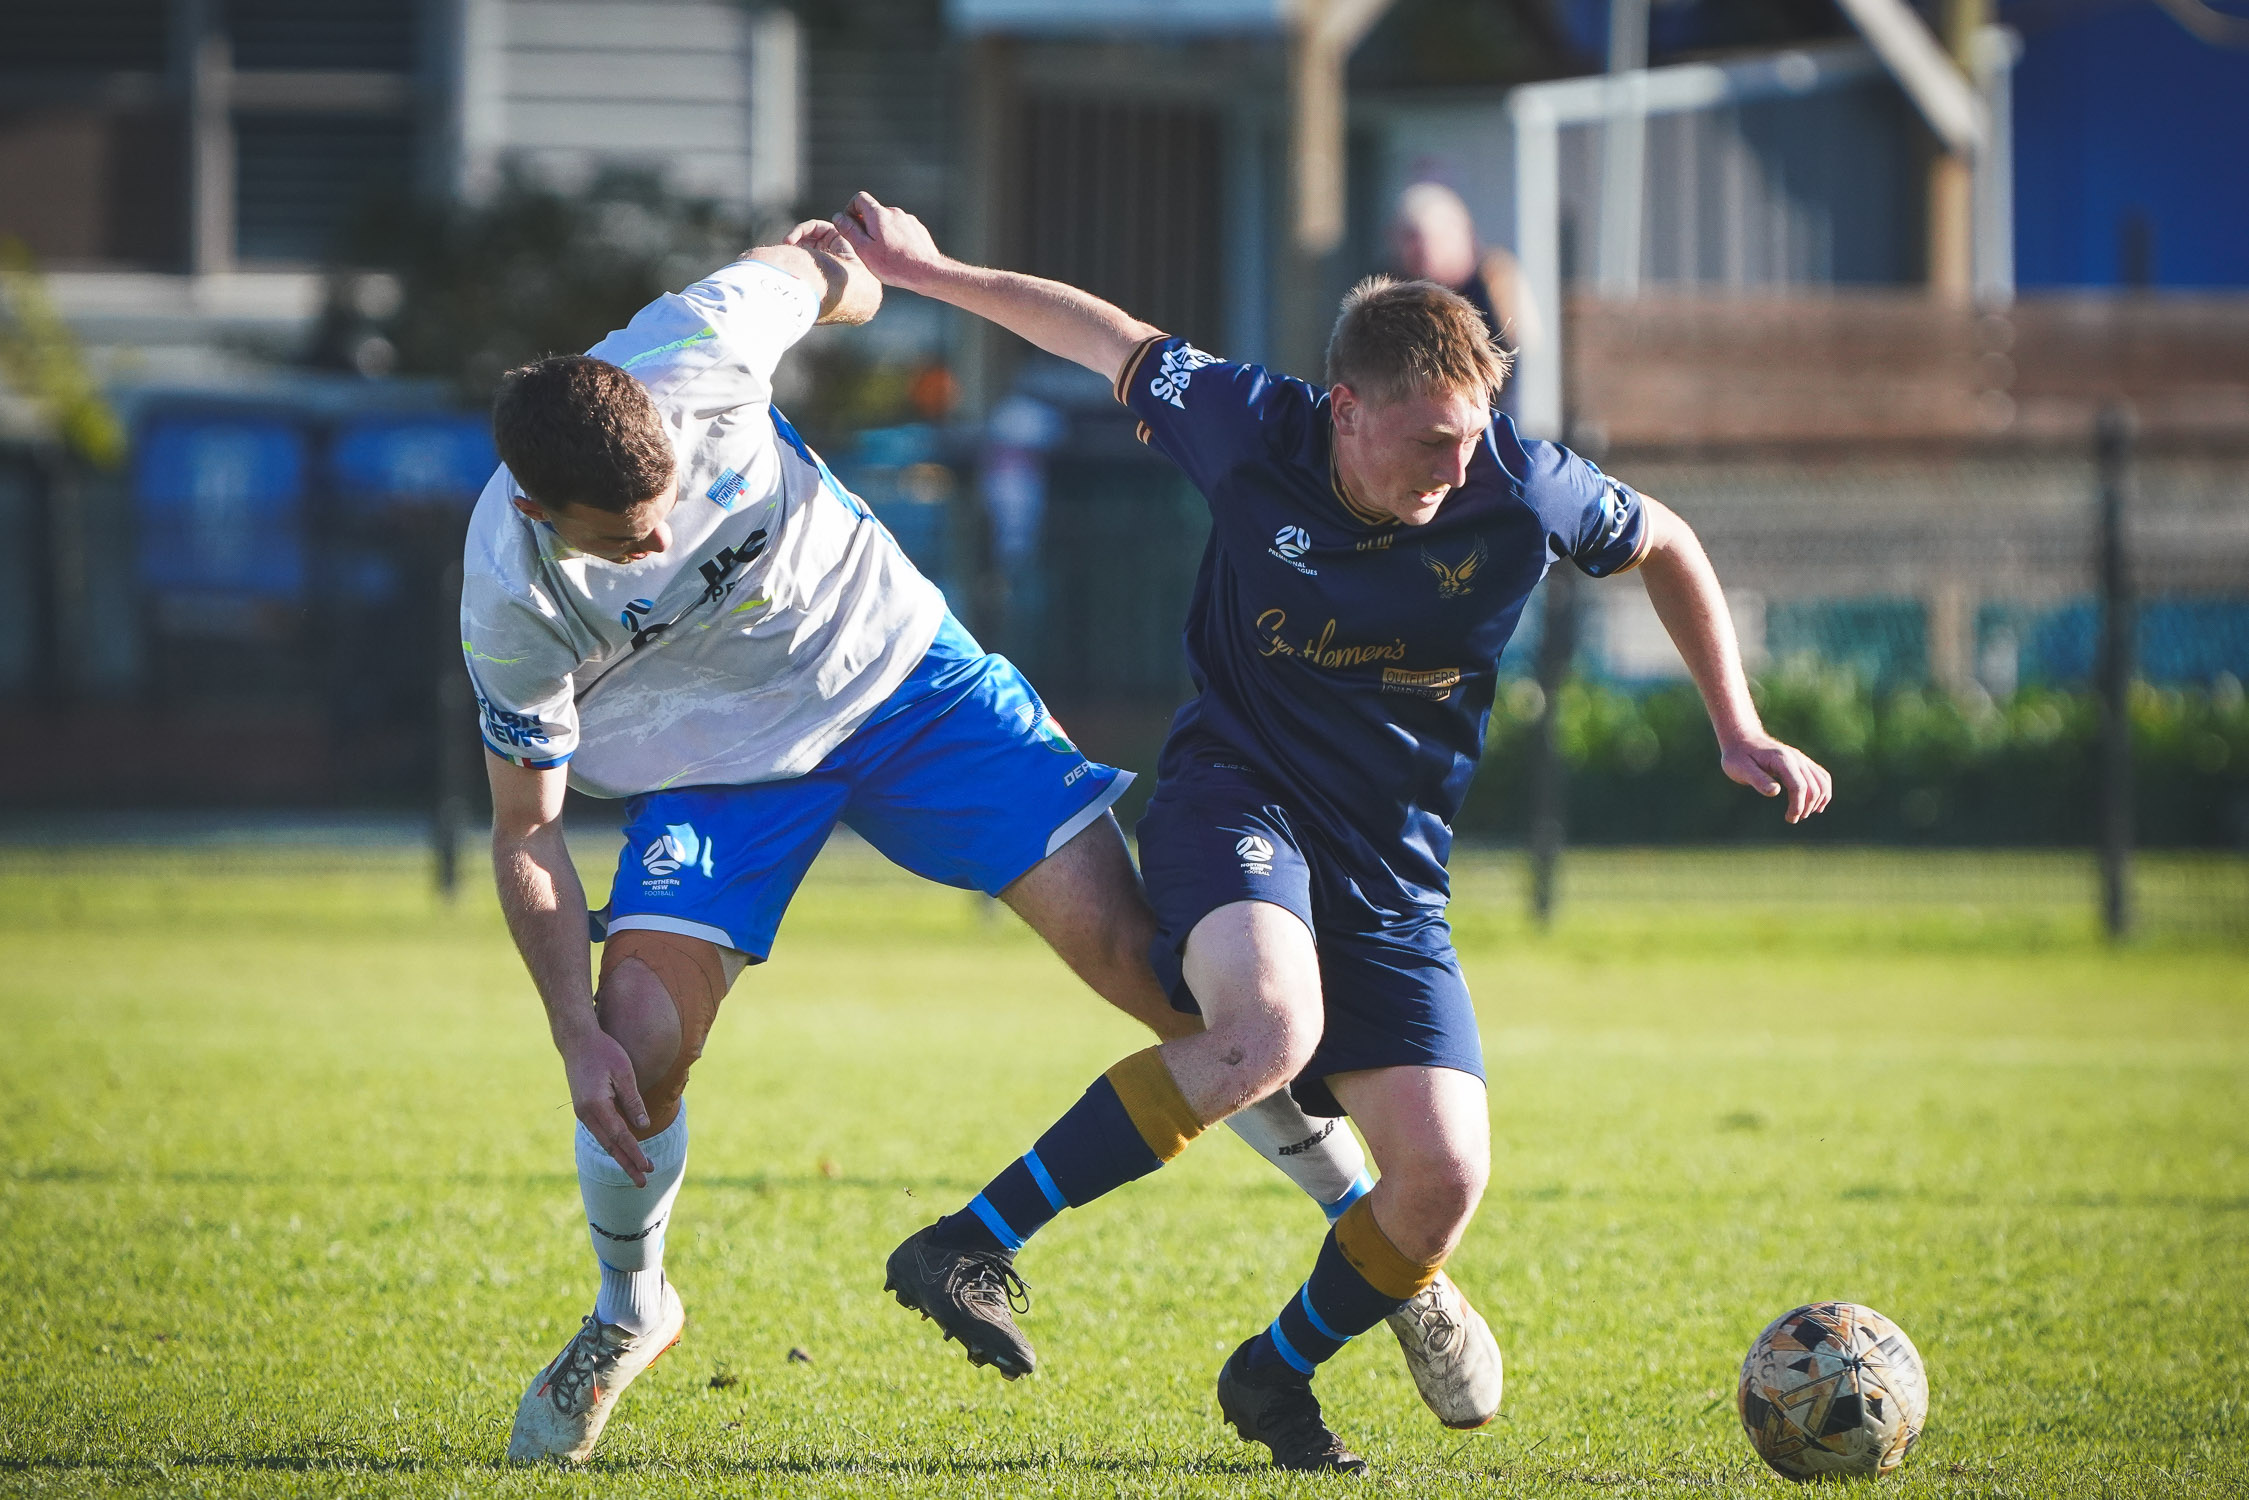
[(284, 1168)]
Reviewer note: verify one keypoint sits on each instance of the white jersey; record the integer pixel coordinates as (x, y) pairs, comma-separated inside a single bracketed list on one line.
[(779, 619)]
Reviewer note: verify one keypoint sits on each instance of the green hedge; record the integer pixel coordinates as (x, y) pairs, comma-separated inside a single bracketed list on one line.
[(1913, 766)]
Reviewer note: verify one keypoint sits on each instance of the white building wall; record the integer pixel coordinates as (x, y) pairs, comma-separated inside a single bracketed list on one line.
[(708, 93)]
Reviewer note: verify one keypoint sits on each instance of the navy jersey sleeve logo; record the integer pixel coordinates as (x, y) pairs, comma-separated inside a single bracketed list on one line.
[(1178, 367), (1616, 512)]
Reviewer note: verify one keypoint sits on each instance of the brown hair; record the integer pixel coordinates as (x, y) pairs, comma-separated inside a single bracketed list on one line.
[(579, 431), (1401, 338)]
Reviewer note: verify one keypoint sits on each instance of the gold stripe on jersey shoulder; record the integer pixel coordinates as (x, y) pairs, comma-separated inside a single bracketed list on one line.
[(1132, 366), (1640, 553)]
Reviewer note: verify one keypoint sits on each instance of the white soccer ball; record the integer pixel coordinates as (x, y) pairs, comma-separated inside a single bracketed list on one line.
[(1833, 1388)]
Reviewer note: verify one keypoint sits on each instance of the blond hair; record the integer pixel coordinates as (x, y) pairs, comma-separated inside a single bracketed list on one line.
[(1403, 338)]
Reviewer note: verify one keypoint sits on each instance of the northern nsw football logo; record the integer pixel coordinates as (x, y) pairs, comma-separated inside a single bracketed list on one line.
[(677, 848), (1456, 578), (1256, 854)]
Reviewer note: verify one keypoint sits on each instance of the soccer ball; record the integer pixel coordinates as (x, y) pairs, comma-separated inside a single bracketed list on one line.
[(1833, 1388)]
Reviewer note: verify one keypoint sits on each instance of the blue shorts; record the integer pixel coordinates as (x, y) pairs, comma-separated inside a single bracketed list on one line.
[(1215, 833), (962, 776)]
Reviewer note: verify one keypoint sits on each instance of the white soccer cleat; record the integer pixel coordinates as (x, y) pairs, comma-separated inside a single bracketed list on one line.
[(561, 1416), (1450, 1349)]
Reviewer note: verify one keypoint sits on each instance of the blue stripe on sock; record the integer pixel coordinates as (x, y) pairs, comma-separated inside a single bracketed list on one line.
[(1351, 1195), (1009, 1240), (1287, 1351), (1039, 1175), (1318, 1322)]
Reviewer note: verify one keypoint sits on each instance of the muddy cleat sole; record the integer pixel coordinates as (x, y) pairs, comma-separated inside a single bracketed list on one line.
[(972, 1295), (1285, 1417), (1452, 1354), (568, 1403)]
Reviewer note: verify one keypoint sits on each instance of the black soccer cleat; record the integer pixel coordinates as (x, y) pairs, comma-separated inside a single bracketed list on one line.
[(973, 1295), (1284, 1415)]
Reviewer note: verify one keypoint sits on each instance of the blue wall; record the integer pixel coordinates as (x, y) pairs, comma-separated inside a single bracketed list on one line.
[(2120, 112)]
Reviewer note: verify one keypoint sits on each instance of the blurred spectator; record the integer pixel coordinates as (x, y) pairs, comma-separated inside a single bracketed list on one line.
[(1433, 238)]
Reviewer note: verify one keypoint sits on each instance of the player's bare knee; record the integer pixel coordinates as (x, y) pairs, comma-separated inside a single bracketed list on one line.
[(1438, 1191), (1264, 1049), (1452, 1203), (638, 1013)]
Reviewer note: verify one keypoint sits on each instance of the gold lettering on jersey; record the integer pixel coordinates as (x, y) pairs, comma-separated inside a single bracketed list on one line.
[(1321, 650), (1436, 683), (1376, 543)]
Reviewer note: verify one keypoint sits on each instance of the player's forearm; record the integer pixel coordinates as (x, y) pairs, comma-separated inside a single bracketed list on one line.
[(1064, 321), (1684, 589), (849, 292), (546, 913)]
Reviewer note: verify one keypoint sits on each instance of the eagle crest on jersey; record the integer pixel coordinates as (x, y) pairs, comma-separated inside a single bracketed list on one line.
[(1456, 579)]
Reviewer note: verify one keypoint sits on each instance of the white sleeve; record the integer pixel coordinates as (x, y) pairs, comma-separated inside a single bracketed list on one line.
[(723, 335), (757, 310), (521, 665)]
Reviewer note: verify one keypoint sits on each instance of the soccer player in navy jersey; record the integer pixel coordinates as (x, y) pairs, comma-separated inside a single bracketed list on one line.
[(1371, 549)]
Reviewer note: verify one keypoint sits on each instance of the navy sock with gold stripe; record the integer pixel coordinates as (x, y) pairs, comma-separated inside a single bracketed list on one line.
[(1359, 1279), (1130, 1122)]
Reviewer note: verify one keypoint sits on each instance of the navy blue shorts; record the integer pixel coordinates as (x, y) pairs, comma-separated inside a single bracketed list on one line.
[(1216, 833), (962, 776)]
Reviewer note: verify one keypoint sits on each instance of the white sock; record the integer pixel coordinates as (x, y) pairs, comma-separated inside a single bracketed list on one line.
[(1320, 1156), (626, 1223)]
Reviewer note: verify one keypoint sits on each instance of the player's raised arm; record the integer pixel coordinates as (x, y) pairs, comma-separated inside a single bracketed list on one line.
[(1076, 326), (546, 912), (1684, 589)]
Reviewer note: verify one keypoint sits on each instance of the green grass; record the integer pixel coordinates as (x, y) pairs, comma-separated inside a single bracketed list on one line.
[(285, 1182)]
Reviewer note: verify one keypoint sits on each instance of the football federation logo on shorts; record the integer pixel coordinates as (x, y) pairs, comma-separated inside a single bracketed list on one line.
[(676, 849), (1256, 854), (1291, 543)]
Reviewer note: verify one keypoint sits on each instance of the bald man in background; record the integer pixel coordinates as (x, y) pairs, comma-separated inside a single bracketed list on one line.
[(1433, 238)]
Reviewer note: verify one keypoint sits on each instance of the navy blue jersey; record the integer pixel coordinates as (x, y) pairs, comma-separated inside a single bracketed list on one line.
[(1343, 655)]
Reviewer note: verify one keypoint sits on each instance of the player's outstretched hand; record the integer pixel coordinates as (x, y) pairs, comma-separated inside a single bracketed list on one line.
[(895, 245), (605, 1094), (1772, 769)]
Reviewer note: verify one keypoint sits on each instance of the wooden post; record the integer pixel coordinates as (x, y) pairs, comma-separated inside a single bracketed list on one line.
[(1319, 48), (1952, 198), (2113, 444)]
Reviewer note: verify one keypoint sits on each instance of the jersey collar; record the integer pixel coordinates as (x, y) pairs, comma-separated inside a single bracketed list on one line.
[(1351, 508)]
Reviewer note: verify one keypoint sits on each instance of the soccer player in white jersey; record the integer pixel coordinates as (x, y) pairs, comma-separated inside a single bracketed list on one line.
[(669, 599)]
